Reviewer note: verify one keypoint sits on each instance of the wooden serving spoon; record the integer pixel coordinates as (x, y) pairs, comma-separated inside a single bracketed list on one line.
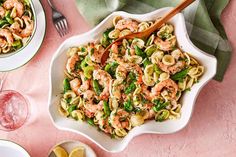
[(146, 33)]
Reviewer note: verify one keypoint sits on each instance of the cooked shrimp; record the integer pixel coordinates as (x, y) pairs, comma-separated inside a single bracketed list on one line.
[(172, 69), (138, 71), (85, 83), (29, 26), (3, 42), (75, 85), (9, 4), (169, 84), (114, 48), (119, 119), (70, 65), (177, 67), (89, 95), (147, 94), (7, 34), (115, 53), (15, 27), (92, 108), (121, 73), (132, 51), (127, 23), (177, 54), (105, 126), (116, 91), (104, 79), (149, 114), (95, 53), (166, 45), (2, 12)]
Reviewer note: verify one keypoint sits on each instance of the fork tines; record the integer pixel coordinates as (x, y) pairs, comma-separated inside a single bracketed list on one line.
[(61, 26)]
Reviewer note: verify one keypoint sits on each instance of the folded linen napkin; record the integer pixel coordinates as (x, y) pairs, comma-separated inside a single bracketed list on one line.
[(202, 20)]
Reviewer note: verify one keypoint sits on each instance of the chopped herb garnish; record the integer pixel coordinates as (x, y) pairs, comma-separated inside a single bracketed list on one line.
[(90, 121), (139, 52), (132, 76), (111, 68), (128, 105), (130, 88), (83, 49), (159, 105), (72, 108), (146, 62)]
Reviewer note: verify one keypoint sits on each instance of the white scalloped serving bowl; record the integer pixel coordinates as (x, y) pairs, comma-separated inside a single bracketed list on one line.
[(105, 142)]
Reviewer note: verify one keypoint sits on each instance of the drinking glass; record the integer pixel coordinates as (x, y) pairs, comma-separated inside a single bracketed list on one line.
[(13, 108)]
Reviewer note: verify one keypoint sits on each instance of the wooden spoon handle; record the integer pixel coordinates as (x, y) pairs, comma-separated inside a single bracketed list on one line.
[(168, 16)]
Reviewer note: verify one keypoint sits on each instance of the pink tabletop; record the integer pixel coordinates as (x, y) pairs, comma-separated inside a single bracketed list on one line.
[(210, 132)]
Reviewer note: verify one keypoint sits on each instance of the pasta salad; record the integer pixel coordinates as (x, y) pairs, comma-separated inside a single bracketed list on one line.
[(143, 79)]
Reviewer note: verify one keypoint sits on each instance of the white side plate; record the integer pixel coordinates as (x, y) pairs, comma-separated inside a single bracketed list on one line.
[(10, 149), (15, 60)]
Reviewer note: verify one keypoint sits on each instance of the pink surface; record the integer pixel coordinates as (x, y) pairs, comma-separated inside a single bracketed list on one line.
[(211, 131)]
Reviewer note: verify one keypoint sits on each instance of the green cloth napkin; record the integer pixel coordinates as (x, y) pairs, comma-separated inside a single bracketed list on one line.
[(202, 21)]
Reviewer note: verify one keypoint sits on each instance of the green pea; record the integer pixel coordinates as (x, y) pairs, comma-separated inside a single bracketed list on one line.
[(3, 22), (128, 106), (96, 87), (159, 105), (90, 121), (139, 52), (72, 108), (8, 17), (157, 69), (111, 68), (179, 76), (163, 115), (66, 85), (130, 88), (146, 62), (106, 108), (88, 71), (149, 50), (17, 44), (83, 64)]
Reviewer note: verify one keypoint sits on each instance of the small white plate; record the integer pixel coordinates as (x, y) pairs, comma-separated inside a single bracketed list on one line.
[(11, 149), (70, 145), (15, 60)]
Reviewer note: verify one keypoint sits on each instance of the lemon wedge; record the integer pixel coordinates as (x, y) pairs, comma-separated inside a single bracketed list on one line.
[(60, 152), (78, 152)]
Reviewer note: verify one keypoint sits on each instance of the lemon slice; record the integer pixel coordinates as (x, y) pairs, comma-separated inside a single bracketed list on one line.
[(60, 152), (78, 152)]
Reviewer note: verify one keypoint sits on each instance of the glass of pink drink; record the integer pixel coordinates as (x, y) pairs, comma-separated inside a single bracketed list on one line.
[(13, 109)]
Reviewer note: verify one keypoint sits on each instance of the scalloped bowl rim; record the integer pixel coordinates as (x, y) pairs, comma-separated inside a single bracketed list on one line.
[(170, 126)]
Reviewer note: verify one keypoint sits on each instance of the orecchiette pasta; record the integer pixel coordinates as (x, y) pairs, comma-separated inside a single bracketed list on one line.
[(164, 76), (125, 32), (78, 115), (138, 42), (157, 56), (120, 132), (136, 120), (141, 80), (168, 60), (135, 59), (114, 34), (143, 26)]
